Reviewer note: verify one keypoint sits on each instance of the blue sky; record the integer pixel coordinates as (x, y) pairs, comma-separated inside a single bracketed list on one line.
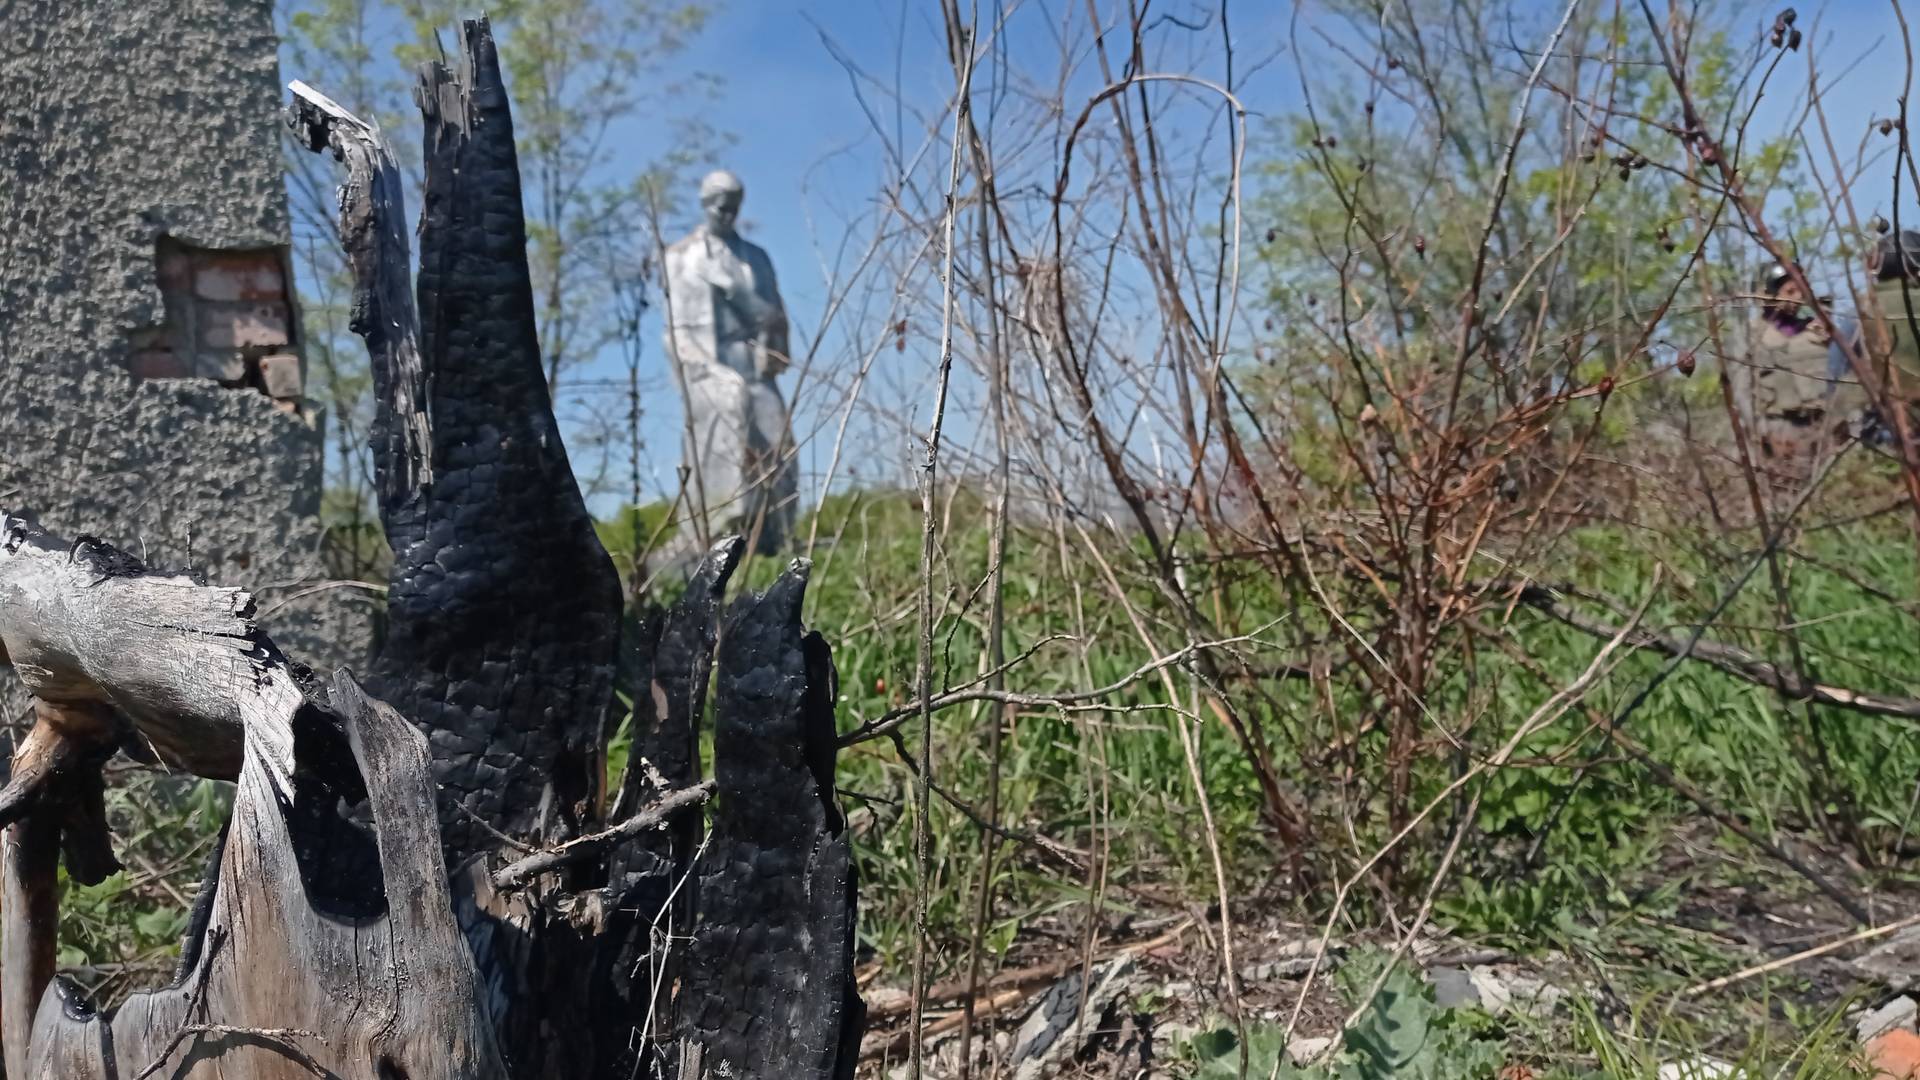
[(789, 103), (806, 145), (1862, 56), (804, 141), (800, 127)]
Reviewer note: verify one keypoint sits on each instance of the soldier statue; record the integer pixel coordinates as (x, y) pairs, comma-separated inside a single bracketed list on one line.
[(726, 337)]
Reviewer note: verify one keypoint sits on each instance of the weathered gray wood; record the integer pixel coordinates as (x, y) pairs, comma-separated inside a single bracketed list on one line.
[(309, 926), (274, 985), (30, 904), (129, 654), (56, 772), (116, 656), (373, 230)]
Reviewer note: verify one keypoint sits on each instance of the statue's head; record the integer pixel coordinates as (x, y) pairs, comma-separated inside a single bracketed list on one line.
[(720, 195)]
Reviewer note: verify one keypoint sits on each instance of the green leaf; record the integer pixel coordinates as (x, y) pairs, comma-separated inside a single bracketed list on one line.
[(1218, 1053), (159, 924), (1394, 1037)]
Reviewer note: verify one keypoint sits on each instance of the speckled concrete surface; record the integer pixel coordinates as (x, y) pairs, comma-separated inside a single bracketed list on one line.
[(122, 121)]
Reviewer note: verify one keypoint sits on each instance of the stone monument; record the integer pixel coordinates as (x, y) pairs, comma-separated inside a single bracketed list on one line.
[(150, 360), (726, 336)]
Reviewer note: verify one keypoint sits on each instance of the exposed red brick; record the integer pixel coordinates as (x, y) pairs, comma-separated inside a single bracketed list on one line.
[(243, 326), (280, 374), (1895, 1055), (157, 364), (239, 275), (150, 337)]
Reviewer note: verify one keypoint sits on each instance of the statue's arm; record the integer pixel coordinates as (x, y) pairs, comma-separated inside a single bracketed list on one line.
[(773, 318), (675, 279)]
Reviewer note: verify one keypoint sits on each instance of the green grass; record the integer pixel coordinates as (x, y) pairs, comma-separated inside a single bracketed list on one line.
[(1121, 780), (1621, 856), (1597, 869)]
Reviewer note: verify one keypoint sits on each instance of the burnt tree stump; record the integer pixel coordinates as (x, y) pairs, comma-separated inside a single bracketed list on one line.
[(425, 879), (503, 609), (773, 938)]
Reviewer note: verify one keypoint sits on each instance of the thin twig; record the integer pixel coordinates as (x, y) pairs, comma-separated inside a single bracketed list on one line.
[(1805, 954), (923, 841), (1734, 661), (1010, 989), (517, 873), (895, 717)]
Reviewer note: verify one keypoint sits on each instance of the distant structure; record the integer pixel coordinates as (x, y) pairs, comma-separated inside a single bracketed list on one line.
[(726, 336), (150, 372)]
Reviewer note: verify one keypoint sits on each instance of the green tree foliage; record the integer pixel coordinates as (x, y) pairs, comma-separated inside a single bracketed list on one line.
[(588, 87), (1378, 205)]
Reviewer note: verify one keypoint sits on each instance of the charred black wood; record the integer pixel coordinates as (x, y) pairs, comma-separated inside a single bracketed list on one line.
[(651, 893), (769, 986), (503, 608), (504, 620), (682, 664), (670, 672)]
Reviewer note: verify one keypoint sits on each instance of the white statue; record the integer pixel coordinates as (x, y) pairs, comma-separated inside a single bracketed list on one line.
[(727, 337)]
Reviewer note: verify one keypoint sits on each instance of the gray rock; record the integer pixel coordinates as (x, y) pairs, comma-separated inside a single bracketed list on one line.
[(1893, 962), (1898, 1013), (1067, 1016), (1303, 1049), (1452, 987), (1506, 989)]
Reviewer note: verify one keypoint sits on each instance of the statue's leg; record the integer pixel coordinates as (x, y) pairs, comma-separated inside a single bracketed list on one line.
[(775, 479), (718, 404)]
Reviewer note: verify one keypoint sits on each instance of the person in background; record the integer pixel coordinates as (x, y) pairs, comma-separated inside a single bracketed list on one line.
[(1890, 332), (1785, 388)]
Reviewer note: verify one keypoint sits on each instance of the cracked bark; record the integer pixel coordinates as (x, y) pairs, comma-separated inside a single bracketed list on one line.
[(769, 979), (306, 911)]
